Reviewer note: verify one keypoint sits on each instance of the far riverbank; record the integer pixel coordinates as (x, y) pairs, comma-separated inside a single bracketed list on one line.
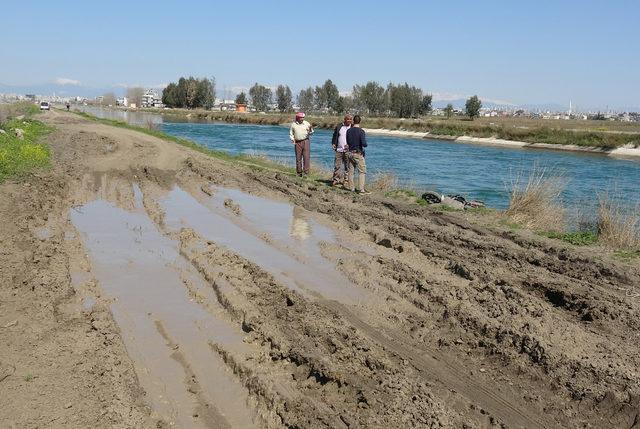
[(540, 136)]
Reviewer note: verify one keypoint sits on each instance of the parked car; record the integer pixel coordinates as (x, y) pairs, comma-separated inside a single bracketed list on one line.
[(44, 105)]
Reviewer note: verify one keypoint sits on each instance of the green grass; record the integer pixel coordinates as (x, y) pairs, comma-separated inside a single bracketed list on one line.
[(19, 157), (579, 238)]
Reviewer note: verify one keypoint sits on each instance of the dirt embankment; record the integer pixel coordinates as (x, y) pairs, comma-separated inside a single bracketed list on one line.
[(146, 285)]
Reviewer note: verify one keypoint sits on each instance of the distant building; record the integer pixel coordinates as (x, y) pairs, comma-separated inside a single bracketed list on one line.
[(123, 102), (151, 99)]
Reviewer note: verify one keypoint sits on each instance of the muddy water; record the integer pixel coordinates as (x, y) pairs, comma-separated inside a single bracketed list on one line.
[(282, 239), (166, 332)]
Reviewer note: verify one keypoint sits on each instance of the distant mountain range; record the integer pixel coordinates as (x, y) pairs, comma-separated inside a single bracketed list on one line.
[(460, 103)]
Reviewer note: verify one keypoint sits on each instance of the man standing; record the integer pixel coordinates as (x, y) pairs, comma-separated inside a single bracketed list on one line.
[(357, 141), (299, 134), (339, 143)]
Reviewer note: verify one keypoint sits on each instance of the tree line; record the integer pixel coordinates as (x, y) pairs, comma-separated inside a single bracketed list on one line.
[(190, 93), (399, 100)]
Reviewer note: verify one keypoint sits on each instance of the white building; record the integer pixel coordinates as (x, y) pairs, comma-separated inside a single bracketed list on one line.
[(151, 99), (122, 102)]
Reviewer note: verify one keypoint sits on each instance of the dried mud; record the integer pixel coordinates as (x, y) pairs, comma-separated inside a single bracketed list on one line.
[(147, 285)]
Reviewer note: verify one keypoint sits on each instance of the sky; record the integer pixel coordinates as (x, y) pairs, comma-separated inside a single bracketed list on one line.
[(515, 52)]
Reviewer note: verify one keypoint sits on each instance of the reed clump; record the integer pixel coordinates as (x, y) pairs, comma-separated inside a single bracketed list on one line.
[(618, 224), (383, 182), (535, 200)]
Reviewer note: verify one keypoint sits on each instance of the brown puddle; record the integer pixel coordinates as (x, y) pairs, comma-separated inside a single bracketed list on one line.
[(282, 239), (165, 331)]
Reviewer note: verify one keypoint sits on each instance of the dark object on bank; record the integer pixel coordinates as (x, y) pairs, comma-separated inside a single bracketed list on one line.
[(432, 197), (454, 201)]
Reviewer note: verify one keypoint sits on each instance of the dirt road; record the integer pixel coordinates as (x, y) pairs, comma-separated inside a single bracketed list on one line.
[(143, 284)]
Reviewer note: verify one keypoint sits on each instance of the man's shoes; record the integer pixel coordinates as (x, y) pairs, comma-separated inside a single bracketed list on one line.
[(364, 192)]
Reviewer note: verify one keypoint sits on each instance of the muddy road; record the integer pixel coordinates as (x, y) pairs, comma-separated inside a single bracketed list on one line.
[(145, 285)]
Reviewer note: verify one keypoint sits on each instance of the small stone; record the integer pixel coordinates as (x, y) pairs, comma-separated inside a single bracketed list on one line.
[(69, 405), (482, 370), (10, 324)]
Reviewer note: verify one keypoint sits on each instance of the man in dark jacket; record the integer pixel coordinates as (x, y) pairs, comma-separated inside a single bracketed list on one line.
[(339, 144), (356, 141)]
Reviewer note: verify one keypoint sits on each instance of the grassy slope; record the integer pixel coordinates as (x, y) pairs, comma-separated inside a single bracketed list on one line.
[(258, 162), (19, 157)]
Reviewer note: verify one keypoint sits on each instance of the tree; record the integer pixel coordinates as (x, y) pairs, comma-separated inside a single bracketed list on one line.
[(370, 98), (473, 106), (134, 95), (404, 100), (241, 98), (260, 96), (284, 98), (109, 99), (326, 96), (425, 106), (332, 95), (170, 95), (206, 94), (340, 105), (306, 99), (448, 111), (191, 93)]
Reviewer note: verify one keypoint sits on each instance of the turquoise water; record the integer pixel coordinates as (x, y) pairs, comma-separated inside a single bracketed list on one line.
[(474, 171)]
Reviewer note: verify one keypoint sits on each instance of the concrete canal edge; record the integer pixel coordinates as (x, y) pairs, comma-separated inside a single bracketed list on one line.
[(627, 150)]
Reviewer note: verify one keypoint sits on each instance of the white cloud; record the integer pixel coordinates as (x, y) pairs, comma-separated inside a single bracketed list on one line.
[(67, 81)]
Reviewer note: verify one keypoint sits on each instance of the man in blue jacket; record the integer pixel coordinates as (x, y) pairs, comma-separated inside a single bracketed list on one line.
[(356, 141)]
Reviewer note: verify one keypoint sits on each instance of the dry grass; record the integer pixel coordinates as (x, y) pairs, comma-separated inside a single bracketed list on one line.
[(383, 182), (320, 170), (535, 200), (150, 125), (618, 224)]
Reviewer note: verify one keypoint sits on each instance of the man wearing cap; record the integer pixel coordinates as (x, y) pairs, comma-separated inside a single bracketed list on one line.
[(339, 144), (299, 134)]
